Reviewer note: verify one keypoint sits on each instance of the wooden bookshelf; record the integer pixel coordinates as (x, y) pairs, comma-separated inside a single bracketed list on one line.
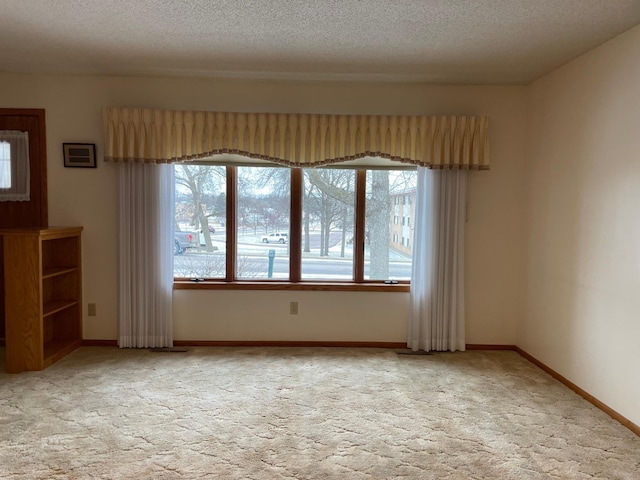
[(43, 295)]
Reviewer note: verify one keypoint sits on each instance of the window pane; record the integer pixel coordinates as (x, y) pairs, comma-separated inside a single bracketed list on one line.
[(5, 165), (328, 224), (199, 228), (263, 223), (389, 222)]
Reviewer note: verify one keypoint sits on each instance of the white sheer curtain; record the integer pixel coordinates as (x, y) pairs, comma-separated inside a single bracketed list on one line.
[(14, 166), (437, 281), (145, 255)]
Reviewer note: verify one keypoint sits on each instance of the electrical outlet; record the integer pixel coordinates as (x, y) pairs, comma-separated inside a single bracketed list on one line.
[(92, 309), (293, 308)]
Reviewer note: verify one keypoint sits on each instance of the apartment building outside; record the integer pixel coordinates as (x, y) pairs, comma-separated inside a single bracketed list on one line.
[(402, 215)]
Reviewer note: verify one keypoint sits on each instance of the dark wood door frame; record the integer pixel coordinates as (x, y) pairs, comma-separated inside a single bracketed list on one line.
[(35, 216)]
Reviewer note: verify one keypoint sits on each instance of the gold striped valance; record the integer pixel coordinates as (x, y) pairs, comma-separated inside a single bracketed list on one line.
[(165, 136)]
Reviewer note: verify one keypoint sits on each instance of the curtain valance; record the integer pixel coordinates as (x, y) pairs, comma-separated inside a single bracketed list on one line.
[(165, 136)]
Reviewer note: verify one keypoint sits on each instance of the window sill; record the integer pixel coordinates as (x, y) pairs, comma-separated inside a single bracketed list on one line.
[(308, 286)]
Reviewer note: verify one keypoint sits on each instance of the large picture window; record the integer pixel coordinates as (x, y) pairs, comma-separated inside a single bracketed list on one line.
[(277, 224)]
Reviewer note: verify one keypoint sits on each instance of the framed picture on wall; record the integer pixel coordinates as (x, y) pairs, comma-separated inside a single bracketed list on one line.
[(81, 155)]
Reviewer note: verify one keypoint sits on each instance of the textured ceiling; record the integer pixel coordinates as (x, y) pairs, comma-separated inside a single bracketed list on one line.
[(434, 41)]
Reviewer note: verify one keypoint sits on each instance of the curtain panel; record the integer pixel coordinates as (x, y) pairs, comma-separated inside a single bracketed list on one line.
[(145, 253), (437, 317), (136, 135)]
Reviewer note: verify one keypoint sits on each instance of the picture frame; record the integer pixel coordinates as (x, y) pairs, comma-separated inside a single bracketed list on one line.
[(79, 155)]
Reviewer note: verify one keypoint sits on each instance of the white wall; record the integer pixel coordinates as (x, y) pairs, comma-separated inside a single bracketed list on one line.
[(264, 315), (582, 302), (88, 198)]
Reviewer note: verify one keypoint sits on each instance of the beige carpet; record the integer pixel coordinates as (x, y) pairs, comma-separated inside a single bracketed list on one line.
[(289, 413)]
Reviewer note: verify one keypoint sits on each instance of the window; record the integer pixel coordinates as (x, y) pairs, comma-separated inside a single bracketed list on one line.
[(382, 260), (328, 223), (5, 165), (14, 166), (262, 223), (268, 223), (200, 219)]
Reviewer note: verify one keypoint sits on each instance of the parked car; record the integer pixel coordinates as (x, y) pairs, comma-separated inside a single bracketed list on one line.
[(276, 238), (184, 240)]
